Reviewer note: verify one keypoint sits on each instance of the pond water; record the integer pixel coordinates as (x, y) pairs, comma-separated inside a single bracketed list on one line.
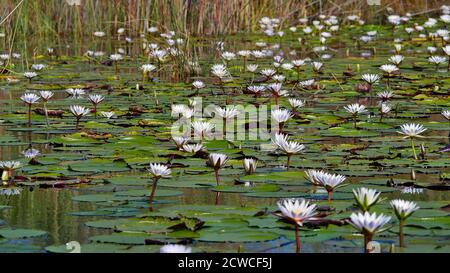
[(114, 167)]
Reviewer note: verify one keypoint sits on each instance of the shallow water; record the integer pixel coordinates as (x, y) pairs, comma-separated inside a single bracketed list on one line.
[(50, 209)]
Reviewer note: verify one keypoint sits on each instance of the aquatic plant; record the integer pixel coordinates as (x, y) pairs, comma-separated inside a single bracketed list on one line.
[(368, 224), (297, 211), (157, 171), (282, 142), (46, 96), (29, 99), (173, 248), (95, 100), (412, 131), (355, 110), (250, 165), (8, 169), (217, 161), (366, 198), (78, 112), (403, 209)]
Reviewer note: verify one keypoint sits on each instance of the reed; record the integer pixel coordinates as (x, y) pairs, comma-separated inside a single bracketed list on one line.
[(194, 17)]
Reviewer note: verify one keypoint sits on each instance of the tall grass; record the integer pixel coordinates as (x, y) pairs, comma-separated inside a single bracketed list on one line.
[(194, 17)]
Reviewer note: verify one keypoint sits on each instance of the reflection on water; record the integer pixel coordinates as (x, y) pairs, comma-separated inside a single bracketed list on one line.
[(49, 210)]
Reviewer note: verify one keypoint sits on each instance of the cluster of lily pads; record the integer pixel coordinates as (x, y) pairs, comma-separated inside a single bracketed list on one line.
[(316, 110)]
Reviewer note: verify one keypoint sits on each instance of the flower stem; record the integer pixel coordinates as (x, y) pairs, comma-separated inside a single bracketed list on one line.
[(367, 240), (413, 148), (297, 240), (152, 194), (329, 197), (216, 172), (401, 239), (29, 115), (289, 161), (46, 113)]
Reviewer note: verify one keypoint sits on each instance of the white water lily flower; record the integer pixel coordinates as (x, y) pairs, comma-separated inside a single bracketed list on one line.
[(281, 115), (216, 160), (403, 209), (298, 63), (252, 67), (115, 57), (368, 223), (227, 112), (250, 165), (172, 248), (446, 114), (329, 181), (107, 115), (244, 53), (412, 130), (297, 210), (396, 59), (287, 66), (30, 75), (159, 170), (389, 68), (193, 148), (279, 78), (366, 198), (10, 165), (446, 50), (371, 78), (296, 103), (306, 83), (282, 142), (258, 54), (276, 90), (96, 99), (317, 66), (267, 72), (311, 176), (29, 98), (78, 110), (148, 68), (437, 60), (30, 153), (99, 34), (220, 71), (46, 95), (355, 108), (198, 84), (257, 89), (178, 109), (180, 141), (37, 67), (202, 128), (159, 54), (228, 56), (385, 95), (75, 93)]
